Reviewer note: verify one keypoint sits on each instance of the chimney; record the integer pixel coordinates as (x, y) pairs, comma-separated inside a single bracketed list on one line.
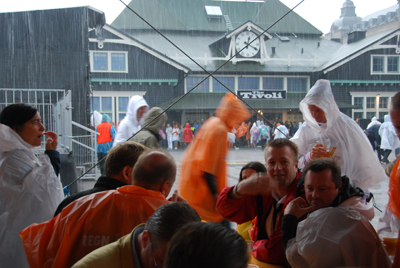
[(355, 36)]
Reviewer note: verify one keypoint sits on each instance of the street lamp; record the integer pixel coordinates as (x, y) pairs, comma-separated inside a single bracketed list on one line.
[(377, 106)]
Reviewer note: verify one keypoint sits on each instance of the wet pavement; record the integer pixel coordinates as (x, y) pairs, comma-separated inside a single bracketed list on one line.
[(238, 158)]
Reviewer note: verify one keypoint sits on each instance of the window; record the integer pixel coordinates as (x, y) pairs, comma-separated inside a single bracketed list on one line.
[(122, 106), (106, 104), (95, 104), (370, 115), (193, 81), (382, 115), (359, 102), (100, 61), (248, 83), (383, 64), (109, 61), (383, 102), (371, 103), (296, 84), (273, 83), (229, 82), (377, 64), (393, 64), (358, 115), (118, 61)]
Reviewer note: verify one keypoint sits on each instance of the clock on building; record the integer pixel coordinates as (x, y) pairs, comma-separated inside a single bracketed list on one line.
[(243, 42)]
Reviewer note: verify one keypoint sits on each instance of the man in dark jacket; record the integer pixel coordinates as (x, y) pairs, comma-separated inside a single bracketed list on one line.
[(119, 164), (375, 139)]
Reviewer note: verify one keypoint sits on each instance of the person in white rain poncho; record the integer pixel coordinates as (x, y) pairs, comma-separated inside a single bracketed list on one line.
[(30, 190), (325, 124), (374, 121), (281, 132), (137, 108), (389, 140)]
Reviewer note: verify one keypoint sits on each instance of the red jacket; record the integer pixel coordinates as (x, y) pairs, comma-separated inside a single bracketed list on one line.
[(104, 130), (245, 209), (187, 133)]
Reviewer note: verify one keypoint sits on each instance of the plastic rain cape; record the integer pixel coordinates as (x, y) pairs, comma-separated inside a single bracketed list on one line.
[(353, 150), (324, 241), (29, 192)]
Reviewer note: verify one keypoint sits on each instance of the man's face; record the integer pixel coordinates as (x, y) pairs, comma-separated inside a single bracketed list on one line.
[(152, 255), (278, 124), (317, 113), (320, 189), (140, 112), (395, 116), (281, 166), (32, 131)]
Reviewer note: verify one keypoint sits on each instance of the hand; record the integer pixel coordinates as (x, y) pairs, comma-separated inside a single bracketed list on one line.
[(177, 198), (318, 151), (298, 207), (52, 140), (257, 183)]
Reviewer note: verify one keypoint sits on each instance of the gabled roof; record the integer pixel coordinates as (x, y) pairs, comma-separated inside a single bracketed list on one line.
[(128, 40), (349, 51), (184, 15), (247, 25)]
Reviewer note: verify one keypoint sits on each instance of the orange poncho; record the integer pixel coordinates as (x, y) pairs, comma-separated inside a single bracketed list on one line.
[(87, 224), (394, 204), (207, 153)]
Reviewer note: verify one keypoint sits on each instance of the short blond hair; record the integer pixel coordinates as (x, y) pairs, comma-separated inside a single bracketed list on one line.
[(122, 155)]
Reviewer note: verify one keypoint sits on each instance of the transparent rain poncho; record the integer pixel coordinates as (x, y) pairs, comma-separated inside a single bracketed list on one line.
[(352, 149), (29, 193)]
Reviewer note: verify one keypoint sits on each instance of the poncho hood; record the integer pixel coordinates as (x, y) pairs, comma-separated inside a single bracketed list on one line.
[(106, 119), (134, 104), (232, 111), (157, 124), (321, 96)]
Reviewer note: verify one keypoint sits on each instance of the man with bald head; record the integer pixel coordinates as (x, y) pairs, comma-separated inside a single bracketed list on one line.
[(99, 219)]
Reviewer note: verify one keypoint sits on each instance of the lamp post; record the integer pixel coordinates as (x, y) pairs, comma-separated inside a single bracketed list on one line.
[(377, 106)]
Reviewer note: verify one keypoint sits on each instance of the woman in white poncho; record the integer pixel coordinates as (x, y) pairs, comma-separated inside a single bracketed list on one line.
[(30, 190), (348, 144), (389, 140)]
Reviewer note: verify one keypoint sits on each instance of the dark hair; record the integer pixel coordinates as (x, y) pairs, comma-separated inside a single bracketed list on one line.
[(167, 220), (154, 167), (257, 166), (211, 245), (121, 155), (16, 115), (396, 101), (320, 164), (280, 143)]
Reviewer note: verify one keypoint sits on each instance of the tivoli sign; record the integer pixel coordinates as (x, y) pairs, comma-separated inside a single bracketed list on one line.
[(257, 94)]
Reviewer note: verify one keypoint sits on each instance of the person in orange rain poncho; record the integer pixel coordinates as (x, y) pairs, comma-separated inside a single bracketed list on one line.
[(240, 132), (102, 218), (204, 165), (394, 182)]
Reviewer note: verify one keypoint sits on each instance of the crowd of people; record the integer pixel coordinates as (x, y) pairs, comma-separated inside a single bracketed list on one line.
[(308, 205)]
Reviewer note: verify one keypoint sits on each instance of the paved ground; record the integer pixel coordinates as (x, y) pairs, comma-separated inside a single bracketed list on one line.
[(238, 158)]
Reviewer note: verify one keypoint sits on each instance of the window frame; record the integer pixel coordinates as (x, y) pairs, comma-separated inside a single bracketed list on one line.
[(385, 65), (109, 61)]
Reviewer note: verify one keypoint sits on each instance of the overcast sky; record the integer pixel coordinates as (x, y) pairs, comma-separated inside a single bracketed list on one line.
[(320, 13)]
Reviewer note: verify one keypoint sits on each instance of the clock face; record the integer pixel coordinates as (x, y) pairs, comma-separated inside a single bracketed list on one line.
[(243, 41)]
